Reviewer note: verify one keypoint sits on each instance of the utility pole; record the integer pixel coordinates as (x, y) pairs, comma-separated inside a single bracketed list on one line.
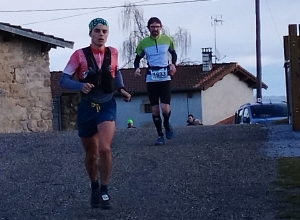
[(258, 52)]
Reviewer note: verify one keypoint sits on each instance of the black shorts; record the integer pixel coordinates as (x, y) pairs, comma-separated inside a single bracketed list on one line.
[(159, 91)]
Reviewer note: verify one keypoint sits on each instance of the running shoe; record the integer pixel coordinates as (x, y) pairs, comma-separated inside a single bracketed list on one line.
[(105, 201), (160, 141), (95, 198), (170, 133)]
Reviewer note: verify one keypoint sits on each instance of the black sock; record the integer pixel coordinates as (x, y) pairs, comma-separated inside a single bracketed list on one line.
[(166, 120), (103, 188), (157, 122), (95, 185)]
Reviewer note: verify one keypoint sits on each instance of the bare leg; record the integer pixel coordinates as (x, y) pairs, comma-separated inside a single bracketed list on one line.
[(106, 131), (91, 146)]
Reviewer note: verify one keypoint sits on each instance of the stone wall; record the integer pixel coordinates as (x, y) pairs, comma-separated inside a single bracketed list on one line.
[(69, 106), (25, 94)]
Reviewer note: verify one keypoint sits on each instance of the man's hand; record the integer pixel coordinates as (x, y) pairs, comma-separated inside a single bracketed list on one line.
[(137, 72), (126, 95), (172, 69), (87, 87)]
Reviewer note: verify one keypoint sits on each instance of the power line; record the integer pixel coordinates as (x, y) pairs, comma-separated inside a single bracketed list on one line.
[(61, 18), (71, 16), (103, 7), (280, 39)]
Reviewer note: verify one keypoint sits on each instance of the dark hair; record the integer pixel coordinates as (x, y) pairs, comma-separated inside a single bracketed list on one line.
[(152, 20), (190, 115)]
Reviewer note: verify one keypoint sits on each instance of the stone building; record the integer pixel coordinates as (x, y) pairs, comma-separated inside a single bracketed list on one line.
[(25, 93)]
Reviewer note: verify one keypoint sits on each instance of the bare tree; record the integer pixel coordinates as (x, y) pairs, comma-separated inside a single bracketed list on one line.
[(133, 23)]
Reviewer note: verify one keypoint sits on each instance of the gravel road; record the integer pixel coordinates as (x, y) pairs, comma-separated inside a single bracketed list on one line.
[(204, 172)]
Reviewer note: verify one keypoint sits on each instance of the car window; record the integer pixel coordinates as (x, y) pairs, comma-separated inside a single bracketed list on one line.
[(246, 113), (238, 116), (269, 111)]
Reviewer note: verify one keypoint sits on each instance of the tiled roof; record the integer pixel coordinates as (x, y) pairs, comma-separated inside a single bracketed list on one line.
[(192, 77), (39, 36), (186, 78)]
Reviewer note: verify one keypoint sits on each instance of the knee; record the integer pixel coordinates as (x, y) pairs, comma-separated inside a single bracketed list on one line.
[(165, 108), (155, 110), (105, 151), (92, 157), (165, 112)]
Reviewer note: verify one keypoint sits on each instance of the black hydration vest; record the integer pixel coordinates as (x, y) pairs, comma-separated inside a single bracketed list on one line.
[(100, 78)]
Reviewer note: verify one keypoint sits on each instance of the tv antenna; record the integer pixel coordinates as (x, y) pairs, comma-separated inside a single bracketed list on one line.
[(214, 22)]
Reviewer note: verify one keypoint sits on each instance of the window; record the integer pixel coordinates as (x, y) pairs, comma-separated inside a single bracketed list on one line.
[(238, 116), (269, 111), (147, 108), (246, 113)]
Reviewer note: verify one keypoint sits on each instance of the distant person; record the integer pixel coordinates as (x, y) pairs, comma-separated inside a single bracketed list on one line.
[(157, 48), (130, 123), (193, 121)]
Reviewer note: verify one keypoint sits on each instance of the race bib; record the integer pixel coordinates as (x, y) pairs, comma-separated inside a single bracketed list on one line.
[(159, 74)]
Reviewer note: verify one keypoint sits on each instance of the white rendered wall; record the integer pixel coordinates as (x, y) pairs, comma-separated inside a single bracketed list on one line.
[(223, 98)]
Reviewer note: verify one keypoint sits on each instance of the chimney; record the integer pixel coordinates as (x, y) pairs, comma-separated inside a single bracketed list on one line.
[(206, 59)]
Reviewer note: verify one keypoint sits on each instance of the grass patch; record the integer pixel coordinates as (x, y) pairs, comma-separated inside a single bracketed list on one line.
[(289, 172), (288, 191)]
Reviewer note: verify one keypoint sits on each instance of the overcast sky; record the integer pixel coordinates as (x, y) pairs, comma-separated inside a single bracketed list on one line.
[(235, 38)]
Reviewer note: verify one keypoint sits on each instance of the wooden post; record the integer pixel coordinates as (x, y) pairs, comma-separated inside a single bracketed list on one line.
[(287, 74), (295, 75)]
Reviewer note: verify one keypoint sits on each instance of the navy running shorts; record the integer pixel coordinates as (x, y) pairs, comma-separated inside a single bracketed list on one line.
[(91, 114)]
